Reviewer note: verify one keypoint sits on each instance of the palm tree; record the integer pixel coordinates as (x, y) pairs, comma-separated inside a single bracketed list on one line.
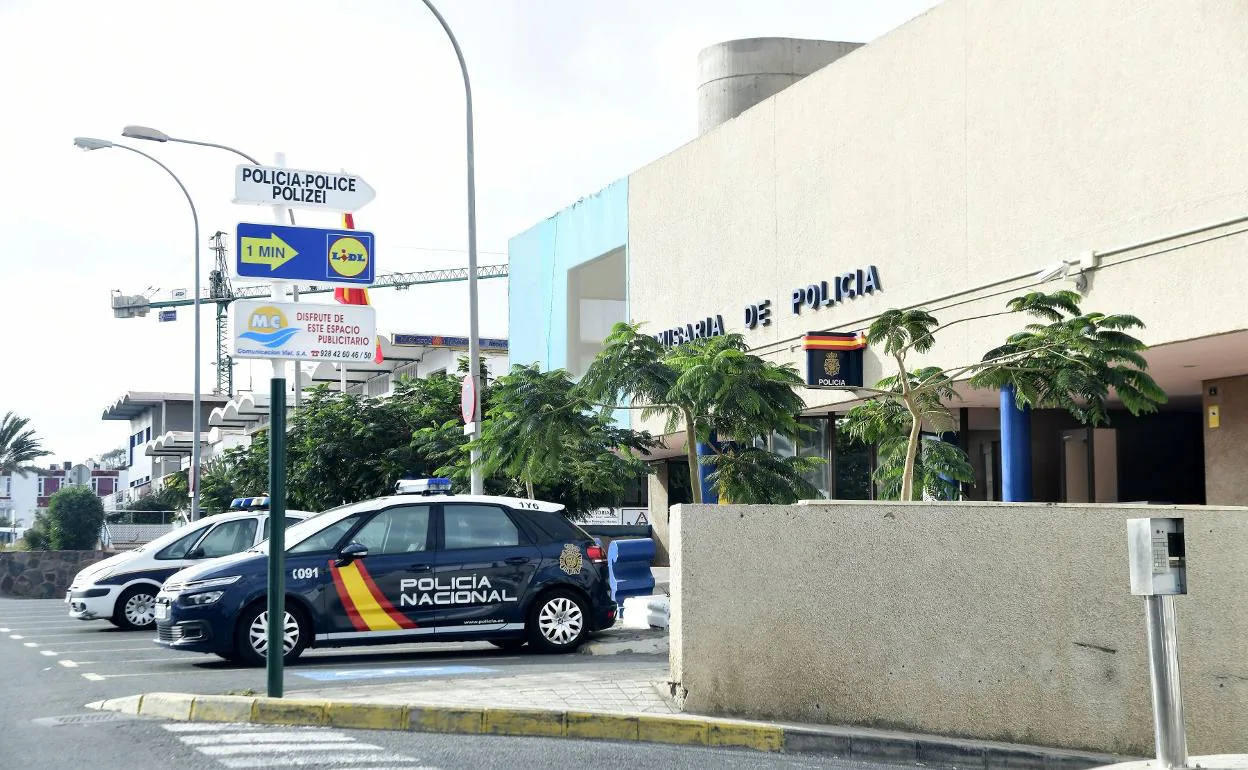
[(18, 446), (718, 393)]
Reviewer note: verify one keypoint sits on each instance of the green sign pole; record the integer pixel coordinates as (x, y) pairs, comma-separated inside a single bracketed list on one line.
[(277, 538)]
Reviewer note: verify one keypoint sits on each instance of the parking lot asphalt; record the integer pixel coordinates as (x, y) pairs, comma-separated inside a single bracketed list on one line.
[(118, 663)]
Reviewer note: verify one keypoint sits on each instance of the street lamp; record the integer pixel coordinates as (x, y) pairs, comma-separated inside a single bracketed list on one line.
[(477, 484), (87, 143)]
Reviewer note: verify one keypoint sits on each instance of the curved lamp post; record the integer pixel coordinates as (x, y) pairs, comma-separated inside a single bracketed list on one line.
[(87, 143), (473, 342)]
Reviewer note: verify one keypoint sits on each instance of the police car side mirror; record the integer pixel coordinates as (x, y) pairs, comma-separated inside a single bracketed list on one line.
[(197, 553), (351, 552)]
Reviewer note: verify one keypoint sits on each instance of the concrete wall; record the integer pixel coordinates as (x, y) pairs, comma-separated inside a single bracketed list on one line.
[(738, 74), (43, 574), (1226, 446), (985, 620), (960, 154)]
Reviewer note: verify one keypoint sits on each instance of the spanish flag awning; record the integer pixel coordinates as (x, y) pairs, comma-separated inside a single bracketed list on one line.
[(834, 341)]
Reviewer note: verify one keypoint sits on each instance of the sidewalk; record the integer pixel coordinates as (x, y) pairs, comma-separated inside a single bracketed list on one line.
[(623, 700)]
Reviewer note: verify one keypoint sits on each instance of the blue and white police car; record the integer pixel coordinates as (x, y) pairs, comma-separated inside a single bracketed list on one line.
[(421, 565), (122, 588)]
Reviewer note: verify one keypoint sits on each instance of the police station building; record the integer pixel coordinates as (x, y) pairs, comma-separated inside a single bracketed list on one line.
[(980, 151)]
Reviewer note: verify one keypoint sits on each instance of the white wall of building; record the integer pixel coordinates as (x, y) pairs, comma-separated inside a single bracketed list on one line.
[(961, 154)]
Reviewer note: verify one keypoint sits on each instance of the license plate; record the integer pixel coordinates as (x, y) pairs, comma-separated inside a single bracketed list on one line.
[(162, 611)]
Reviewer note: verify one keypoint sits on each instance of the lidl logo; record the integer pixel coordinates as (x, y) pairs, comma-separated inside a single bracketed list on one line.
[(269, 327)]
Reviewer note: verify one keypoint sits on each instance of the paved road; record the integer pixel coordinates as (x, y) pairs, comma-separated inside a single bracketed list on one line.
[(52, 665)]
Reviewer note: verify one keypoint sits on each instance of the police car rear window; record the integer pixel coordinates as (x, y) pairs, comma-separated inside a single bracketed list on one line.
[(557, 526)]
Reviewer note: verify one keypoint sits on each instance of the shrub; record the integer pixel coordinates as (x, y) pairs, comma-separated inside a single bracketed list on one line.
[(75, 516)]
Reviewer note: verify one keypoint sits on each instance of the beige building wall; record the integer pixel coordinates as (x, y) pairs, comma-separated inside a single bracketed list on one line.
[(961, 154), (1226, 441), (1010, 622)]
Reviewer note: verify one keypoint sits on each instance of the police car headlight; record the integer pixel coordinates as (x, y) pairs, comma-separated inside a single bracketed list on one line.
[(195, 585), (198, 600)]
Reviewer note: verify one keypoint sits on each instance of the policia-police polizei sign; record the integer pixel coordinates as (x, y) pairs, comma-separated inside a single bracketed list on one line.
[(272, 186)]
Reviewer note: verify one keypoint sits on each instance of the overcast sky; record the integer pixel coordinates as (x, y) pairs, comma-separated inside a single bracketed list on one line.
[(569, 95)]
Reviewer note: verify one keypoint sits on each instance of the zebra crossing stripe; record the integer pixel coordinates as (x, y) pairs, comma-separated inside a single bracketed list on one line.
[(250, 746)]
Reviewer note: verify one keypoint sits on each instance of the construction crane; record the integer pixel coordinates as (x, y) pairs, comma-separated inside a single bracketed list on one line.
[(221, 292)]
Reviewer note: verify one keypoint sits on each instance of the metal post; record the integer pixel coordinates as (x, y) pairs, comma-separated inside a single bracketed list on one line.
[(477, 483), (277, 539), (277, 499), (1163, 663)]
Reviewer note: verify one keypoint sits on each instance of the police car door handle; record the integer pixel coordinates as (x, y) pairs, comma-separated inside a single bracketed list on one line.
[(518, 560), (419, 568)]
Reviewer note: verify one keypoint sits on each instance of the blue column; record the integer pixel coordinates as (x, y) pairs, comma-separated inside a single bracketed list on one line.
[(1015, 449), (709, 495)]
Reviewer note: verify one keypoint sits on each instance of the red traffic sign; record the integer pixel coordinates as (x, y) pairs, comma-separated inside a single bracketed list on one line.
[(468, 398)]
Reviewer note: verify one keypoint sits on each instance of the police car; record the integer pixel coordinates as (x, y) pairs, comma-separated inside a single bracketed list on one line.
[(122, 589), (421, 565)]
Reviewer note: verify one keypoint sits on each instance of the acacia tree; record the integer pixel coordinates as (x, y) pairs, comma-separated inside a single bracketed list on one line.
[(541, 431), (1074, 361), (711, 388), (19, 446)]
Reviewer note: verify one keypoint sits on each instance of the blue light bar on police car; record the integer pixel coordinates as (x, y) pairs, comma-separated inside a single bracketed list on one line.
[(237, 503), (257, 502), (423, 486)]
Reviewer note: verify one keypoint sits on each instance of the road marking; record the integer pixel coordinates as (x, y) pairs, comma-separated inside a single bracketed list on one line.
[(16, 636), (30, 644), (49, 653), (252, 737), (68, 663), (102, 677), (98, 633), (93, 677), (250, 746), (390, 673)]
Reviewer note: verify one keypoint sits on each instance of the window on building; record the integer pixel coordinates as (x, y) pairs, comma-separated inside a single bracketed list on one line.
[(148, 434), (6, 486), (812, 443), (596, 302)]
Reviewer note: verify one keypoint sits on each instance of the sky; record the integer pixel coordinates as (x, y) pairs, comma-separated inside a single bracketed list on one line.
[(568, 96)]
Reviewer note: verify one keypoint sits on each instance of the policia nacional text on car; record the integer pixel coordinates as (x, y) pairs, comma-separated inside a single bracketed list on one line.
[(420, 565)]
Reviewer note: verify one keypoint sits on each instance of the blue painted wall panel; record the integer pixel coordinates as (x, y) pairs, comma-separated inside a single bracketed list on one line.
[(539, 261)]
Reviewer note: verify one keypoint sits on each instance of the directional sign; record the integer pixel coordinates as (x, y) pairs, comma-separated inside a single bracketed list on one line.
[(304, 331), (269, 186), (305, 254)]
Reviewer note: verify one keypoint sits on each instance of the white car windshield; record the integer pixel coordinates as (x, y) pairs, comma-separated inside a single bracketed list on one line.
[(311, 526)]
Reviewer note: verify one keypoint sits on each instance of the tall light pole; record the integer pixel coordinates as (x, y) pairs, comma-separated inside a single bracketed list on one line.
[(154, 135), (196, 409), (473, 343)]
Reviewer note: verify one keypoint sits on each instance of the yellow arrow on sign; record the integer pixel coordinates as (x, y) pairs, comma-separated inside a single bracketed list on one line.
[(271, 251)]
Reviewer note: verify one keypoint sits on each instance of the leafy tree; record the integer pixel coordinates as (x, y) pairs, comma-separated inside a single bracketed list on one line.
[(19, 446), (114, 459), (710, 387), (541, 432), (37, 537), (75, 516), (156, 507), (1072, 362)]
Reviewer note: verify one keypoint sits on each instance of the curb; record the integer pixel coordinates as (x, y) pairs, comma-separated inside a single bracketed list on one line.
[(655, 646), (646, 728)]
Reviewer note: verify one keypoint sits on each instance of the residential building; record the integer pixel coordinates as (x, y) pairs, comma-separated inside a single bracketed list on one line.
[(22, 497)]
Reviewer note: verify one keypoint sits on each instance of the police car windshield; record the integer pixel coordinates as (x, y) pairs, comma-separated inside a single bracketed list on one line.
[(179, 531), (314, 524)]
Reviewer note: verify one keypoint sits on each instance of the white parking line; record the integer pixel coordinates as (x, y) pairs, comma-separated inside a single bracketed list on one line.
[(16, 636), (30, 644), (252, 737), (120, 640), (49, 653), (68, 663), (97, 633), (287, 748), (93, 677)]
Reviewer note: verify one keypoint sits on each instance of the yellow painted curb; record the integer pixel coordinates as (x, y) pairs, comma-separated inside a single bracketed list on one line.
[(283, 711), (222, 708), (759, 737), (524, 722), (685, 732), (436, 719), (367, 716), (170, 705), (611, 727)]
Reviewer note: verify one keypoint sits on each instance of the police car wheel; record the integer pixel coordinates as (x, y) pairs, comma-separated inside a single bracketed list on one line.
[(251, 638), (558, 622), (136, 609)]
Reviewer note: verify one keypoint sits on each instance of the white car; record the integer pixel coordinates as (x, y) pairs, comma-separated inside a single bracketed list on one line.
[(122, 589)]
